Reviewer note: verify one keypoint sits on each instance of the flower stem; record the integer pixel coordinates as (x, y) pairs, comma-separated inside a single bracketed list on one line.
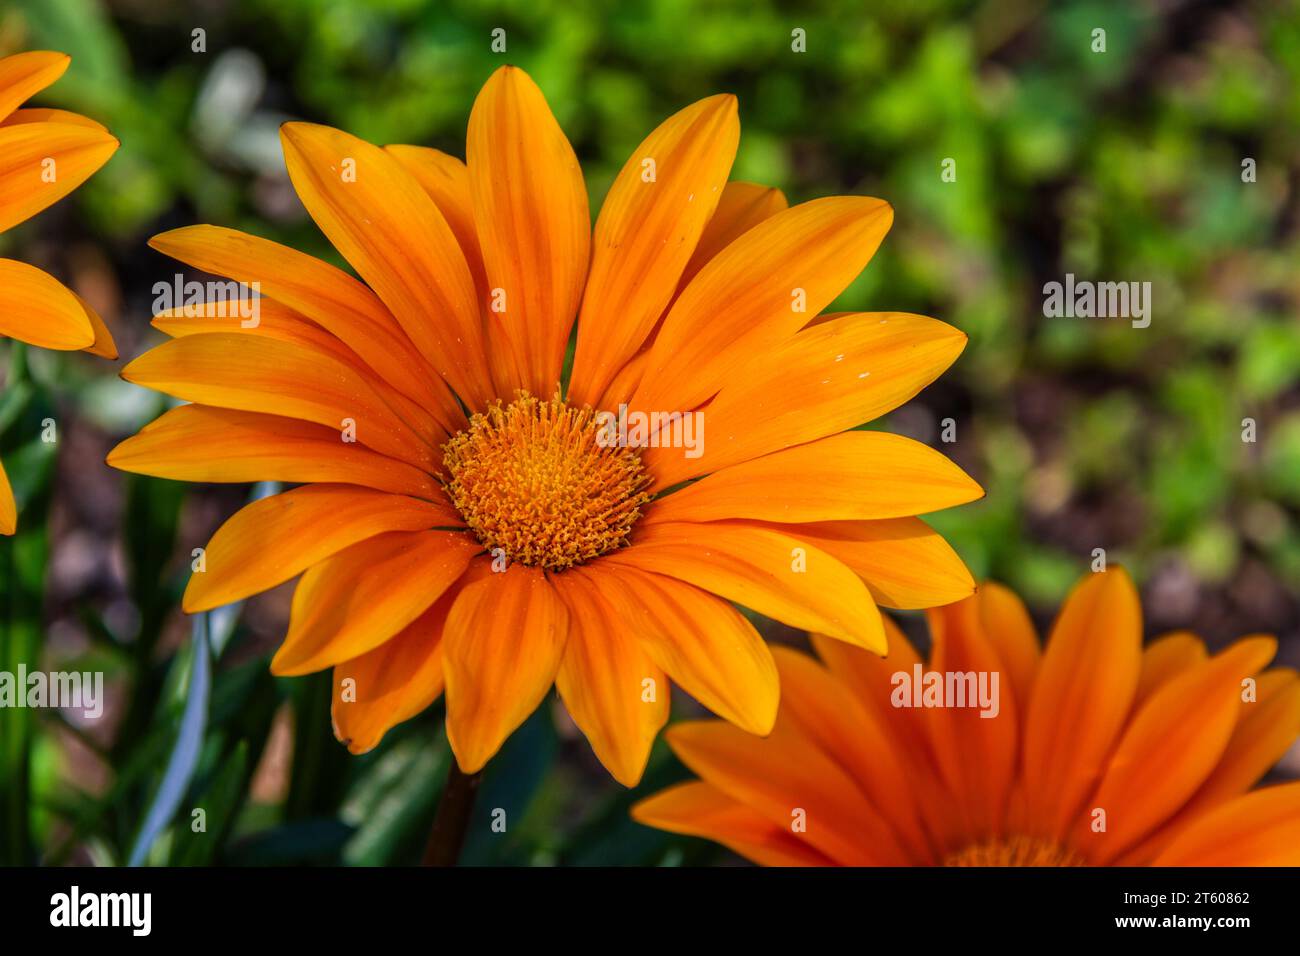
[(451, 822)]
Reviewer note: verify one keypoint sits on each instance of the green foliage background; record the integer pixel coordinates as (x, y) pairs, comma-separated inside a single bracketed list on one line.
[(1122, 165)]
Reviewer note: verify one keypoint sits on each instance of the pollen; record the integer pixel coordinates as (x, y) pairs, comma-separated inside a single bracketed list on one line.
[(1015, 851), (533, 479)]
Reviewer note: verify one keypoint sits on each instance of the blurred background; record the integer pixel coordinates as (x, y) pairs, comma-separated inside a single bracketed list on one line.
[(1123, 165)]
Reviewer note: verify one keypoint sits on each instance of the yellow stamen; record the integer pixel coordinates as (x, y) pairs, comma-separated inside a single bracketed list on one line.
[(531, 479), (1015, 851)]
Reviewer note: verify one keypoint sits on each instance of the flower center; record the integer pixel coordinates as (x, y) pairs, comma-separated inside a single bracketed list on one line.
[(1014, 851), (531, 479)]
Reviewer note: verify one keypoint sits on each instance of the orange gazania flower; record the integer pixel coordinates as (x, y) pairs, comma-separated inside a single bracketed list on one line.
[(44, 155), (1100, 752), (439, 438)]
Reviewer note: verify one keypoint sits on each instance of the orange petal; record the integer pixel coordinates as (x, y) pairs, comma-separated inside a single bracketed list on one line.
[(871, 680), (8, 507), (1166, 657), (1081, 697), (708, 647), (103, 346), (864, 475), (274, 539), (625, 382), (354, 600), (646, 233), (197, 443), (297, 379), (40, 163), (1009, 628), (1170, 747), (277, 321), (867, 674), (769, 572), (326, 295), (273, 319), (23, 75), (1260, 829), (503, 643), (702, 810), (1265, 731), (381, 220), (975, 744), (903, 561), (757, 293), (742, 207), (392, 683), (827, 379), (446, 179), (827, 712), (785, 778), (612, 689), (18, 117), (533, 223), (36, 308)]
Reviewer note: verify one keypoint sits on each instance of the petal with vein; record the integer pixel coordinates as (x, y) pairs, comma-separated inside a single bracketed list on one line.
[(199, 443), (1008, 626), (769, 572), (391, 683), (276, 538), (702, 810), (37, 309), (603, 681), (294, 379), (848, 733), (647, 230), (904, 562), (382, 221), (1166, 657), (1085, 686), (355, 600), (742, 207), (42, 115), (824, 380), (533, 224), (277, 321), (852, 475), (975, 740), (40, 163), (788, 781), (327, 296), (703, 643), (23, 75), (502, 647), (446, 179), (1261, 828), (756, 293), (1171, 746)]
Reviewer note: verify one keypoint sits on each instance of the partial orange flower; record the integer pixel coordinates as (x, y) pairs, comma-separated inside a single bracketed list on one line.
[(44, 155), (474, 514), (1093, 751)]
